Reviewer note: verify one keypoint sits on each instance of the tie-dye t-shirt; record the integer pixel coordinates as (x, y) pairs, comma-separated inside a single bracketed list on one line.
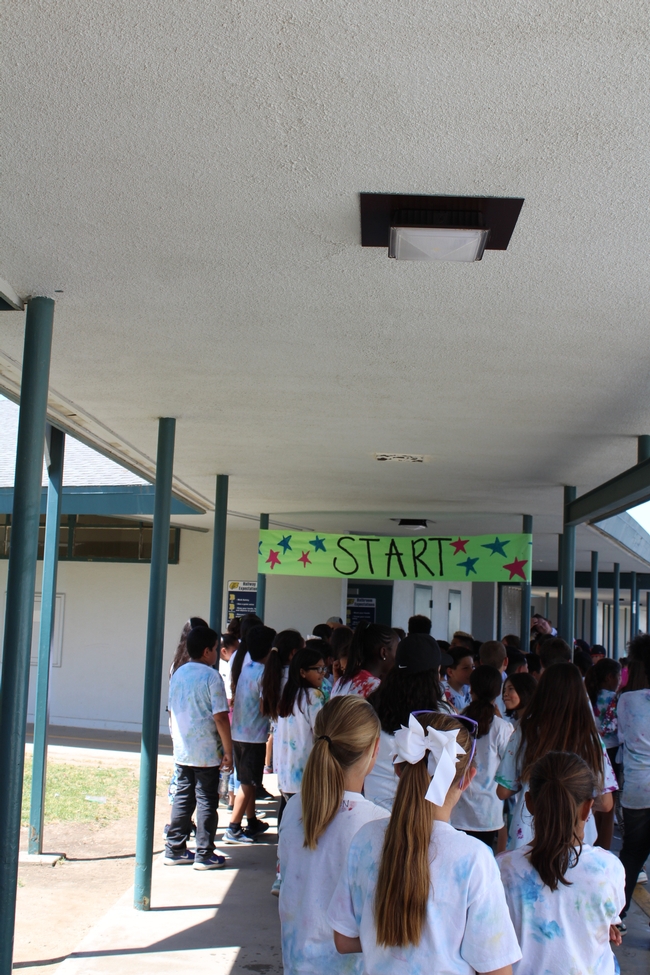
[(521, 824), (308, 881), (467, 927), (458, 699), (634, 734), (196, 694), (293, 740), (479, 807), (605, 717), (361, 686), (248, 722), (565, 930)]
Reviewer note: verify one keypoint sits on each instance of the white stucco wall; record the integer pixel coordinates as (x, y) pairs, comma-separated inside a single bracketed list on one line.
[(100, 681)]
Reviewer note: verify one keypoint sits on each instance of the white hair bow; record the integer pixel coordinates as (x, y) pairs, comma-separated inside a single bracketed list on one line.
[(412, 744)]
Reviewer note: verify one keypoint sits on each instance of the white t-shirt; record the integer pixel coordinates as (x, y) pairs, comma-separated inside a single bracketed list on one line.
[(380, 785), (248, 722), (360, 686), (479, 807), (634, 734), (293, 740), (508, 775), (196, 694), (458, 699), (308, 881), (467, 928), (564, 930), (224, 670)]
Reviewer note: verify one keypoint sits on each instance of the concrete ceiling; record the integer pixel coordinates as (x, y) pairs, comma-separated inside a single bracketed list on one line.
[(189, 174)]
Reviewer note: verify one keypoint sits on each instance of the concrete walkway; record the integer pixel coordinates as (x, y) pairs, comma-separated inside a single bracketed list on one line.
[(218, 921)]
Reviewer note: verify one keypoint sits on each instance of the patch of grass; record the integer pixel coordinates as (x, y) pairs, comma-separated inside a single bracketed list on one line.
[(68, 786)]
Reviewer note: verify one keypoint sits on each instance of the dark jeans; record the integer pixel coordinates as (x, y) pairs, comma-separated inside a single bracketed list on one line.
[(197, 788), (636, 848)]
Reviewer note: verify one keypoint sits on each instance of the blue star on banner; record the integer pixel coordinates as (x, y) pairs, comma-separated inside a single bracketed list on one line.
[(497, 547), (319, 544), (468, 566), (284, 544)]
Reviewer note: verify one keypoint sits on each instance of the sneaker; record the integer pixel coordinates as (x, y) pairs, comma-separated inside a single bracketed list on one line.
[(642, 878), (268, 770), (237, 836), (186, 857), (257, 828), (262, 793), (275, 889), (212, 863), (622, 927)]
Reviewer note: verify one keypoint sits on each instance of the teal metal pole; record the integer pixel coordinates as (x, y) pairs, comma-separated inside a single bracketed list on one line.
[(593, 629), (560, 586), (55, 448), (19, 613), (260, 602), (634, 608), (153, 663), (616, 609), (527, 527), (568, 573), (643, 448), (647, 611), (219, 552)]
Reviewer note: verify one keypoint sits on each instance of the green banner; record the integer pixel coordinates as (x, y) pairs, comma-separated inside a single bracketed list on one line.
[(478, 558)]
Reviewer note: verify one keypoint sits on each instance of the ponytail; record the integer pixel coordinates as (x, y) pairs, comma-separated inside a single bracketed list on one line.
[(559, 784), (297, 687), (365, 647), (485, 683), (345, 730), (404, 877), (285, 643)]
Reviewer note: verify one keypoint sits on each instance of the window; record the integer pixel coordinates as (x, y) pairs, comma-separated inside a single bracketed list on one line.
[(92, 538)]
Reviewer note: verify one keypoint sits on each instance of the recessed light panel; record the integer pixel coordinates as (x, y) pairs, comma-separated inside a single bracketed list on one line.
[(402, 458), (436, 244)]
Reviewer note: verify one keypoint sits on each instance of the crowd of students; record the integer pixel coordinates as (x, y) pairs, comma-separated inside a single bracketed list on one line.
[(445, 807)]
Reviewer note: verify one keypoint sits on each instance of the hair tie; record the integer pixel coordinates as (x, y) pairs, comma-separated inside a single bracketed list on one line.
[(325, 738)]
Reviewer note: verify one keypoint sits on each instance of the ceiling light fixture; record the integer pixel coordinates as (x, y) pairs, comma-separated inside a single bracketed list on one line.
[(402, 458), (437, 228)]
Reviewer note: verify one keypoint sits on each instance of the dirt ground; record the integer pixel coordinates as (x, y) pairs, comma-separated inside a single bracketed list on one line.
[(57, 906)]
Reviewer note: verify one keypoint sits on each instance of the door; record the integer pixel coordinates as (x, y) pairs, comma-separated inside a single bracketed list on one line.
[(422, 601), (453, 623)]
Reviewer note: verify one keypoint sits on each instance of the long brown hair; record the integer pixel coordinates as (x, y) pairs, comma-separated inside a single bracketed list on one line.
[(345, 729), (638, 664), (404, 877), (559, 719), (486, 684), (181, 656), (559, 784)]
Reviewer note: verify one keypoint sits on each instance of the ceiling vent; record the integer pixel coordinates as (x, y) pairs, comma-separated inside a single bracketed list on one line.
[(412, 522), (402, 458)]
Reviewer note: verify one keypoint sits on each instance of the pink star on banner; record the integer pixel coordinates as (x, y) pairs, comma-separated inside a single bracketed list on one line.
[(516, 568), (273, 559), (304, 558), (459, 545)]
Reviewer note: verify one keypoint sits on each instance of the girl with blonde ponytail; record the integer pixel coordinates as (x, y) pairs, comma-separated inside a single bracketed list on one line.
[(564, 895), (417, 896), (317, 826)]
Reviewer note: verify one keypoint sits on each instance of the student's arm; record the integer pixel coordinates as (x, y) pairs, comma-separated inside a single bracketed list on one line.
[(349, 946), (604, 803), (223, 730), (504, 793), (499, 971)]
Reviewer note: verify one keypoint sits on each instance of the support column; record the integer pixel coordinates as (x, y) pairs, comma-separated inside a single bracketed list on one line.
[(593, 630), (54, 449), (153, 663), (547, 597), (560, 587), (647, 611), (19, 613), (616, 609), (260, 604), (219, 552), (567, 631), (527, 528), (634, 606)]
